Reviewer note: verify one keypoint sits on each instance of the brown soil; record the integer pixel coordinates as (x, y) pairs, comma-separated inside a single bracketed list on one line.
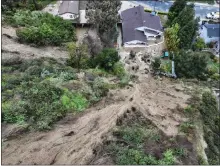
[(152, 147), (73, 139), (11, 48)]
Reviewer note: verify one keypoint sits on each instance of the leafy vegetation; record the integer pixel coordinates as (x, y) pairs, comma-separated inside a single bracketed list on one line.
[(140, 143), (199, 44), (106, 59), (175, 10), (205, 107), (25, 4), (156, 63), (210, 115), (42, 28), (191, 64), (171, 38), (184, 15), (78, 57), (39, 92)]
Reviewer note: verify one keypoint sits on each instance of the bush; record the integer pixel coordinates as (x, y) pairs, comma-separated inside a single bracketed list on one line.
[(118, 69), (166, 67), (99, 87), (78, 56), (43, 28), (210, 115), (106, 59), (187, 127), (156, 63), (192, 64), (124, 80), (75, 101), (212, 56), (199, 44)]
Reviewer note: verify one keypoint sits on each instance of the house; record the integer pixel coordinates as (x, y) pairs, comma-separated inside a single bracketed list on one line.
[(69, 9), (139, 26), (209, 32)]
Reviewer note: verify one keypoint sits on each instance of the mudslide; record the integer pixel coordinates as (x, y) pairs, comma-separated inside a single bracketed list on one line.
[(74, 139)]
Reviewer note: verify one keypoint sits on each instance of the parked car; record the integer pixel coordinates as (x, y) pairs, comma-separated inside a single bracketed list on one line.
[(213, 15)]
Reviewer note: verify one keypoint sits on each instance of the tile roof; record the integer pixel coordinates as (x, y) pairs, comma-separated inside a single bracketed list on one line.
[(69, 7)]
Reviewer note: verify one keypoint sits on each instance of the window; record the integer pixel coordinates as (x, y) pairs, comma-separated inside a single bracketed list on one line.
[(71, 16)]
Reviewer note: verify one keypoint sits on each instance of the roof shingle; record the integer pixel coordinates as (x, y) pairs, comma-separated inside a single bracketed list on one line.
[(134, 18), (213, 30)]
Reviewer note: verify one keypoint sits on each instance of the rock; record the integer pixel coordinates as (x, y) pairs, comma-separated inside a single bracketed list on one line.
[(178, 88)]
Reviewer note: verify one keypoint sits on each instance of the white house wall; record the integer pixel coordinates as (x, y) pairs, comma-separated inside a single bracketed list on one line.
[(67, 16), (204, 35)]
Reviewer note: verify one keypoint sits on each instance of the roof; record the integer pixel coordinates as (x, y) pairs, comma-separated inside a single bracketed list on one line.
[(136, 17), (213, 30), (69, 7)]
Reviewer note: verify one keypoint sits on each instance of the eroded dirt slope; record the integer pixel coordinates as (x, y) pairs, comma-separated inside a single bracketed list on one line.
[(73, 139), (11, 47)]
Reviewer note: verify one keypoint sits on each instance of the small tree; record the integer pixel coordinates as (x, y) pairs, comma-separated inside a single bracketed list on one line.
[(191, 64), (104, 16), (199, 44), (78, 57), (106, 59), (171, 38)]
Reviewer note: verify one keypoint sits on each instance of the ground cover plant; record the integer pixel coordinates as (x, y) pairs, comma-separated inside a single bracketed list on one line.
[(39, 92), (136, 141), (41, 28)]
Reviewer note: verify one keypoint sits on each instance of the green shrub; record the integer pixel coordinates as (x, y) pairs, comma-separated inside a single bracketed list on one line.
[(106, 59), (78, 56), (215, 76), (187, 127), (11, 114), (124, 80), (134, 157), (118, 69), (156, 63), (99, 87), (199, 44), (166, 67), (192, 64), (97, 72), (75, 101), (133, 134), (212, 56), (168, 158), (43, 28)]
